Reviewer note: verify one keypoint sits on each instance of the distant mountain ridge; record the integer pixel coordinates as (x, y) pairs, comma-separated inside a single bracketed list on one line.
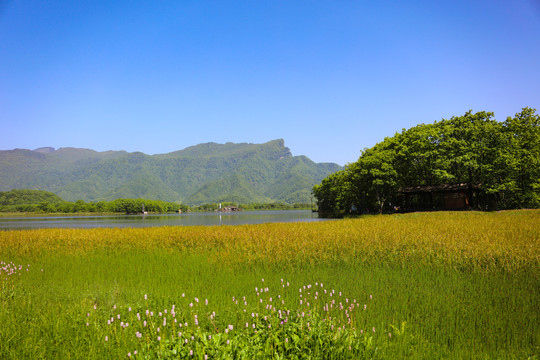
[(204, 173)]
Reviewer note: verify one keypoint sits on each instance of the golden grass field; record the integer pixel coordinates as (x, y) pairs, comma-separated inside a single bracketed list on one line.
[(507, 240)]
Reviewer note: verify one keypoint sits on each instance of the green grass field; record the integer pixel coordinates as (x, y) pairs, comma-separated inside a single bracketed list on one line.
[(461, 285)]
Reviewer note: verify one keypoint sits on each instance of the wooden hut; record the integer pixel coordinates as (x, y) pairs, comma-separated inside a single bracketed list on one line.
[(460, 196)]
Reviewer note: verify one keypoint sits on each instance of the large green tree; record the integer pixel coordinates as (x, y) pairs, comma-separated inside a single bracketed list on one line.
[(501, 157), (518, 162)]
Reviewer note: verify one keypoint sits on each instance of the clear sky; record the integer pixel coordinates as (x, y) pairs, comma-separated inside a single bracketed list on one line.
[(329, 77)]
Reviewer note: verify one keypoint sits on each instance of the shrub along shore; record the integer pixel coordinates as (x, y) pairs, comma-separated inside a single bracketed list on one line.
[(44, 203), (419, 285)]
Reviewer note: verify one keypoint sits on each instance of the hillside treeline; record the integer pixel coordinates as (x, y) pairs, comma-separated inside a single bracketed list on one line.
[(37, 201), (251, 206), (502, 159), (23, 196)]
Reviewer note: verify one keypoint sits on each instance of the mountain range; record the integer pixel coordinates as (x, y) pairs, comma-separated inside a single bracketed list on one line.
[(204, 173)]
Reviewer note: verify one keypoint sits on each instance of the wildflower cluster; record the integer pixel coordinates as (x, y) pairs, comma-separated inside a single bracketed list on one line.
[(290, 322), (8, 270)]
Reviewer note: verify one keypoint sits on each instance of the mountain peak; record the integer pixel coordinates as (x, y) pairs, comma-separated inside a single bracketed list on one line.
[(45, 150)]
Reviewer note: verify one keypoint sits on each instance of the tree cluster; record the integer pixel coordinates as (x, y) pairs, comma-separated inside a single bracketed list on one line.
[(502, 158), (251, 206), (276, 206), (24, 196), (39, 201), (125, 206)]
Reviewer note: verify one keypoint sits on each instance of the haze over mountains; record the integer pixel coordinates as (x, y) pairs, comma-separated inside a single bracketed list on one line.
[(204, 173)]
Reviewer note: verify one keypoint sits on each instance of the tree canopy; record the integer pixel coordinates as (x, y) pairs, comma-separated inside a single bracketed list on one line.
[(18, 197), (46, 202), (503, 158)]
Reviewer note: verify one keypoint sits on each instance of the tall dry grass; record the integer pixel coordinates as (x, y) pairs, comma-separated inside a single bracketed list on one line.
[(506, 241)]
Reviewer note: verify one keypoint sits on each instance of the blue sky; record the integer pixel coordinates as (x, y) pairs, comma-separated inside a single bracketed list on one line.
[(329, 77)]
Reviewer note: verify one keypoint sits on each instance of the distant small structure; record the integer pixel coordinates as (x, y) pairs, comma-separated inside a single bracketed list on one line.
[(229, 209), (459, 196)]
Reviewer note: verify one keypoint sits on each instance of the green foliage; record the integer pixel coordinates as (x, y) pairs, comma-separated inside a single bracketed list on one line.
[(135, 206), (268, 337), (19, 197), (502, 157), (130, 206), (57, 205), (275, 206), (199, 174)]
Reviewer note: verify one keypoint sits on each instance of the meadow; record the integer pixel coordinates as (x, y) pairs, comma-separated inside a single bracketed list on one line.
[(456, 285)]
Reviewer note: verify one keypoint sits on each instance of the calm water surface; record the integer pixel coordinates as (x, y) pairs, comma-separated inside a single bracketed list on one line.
[(234, 218)]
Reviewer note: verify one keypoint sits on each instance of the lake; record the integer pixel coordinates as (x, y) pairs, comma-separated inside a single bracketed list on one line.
[(190, 219)]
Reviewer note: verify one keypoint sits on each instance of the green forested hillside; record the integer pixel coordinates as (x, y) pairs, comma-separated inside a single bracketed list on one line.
[(199, 174)]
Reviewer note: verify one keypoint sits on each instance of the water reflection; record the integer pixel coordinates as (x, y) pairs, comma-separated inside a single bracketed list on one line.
[(192, 219)]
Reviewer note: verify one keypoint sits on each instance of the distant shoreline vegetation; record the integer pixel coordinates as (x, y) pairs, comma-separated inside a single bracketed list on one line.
[(250, 207), (44, 202)]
